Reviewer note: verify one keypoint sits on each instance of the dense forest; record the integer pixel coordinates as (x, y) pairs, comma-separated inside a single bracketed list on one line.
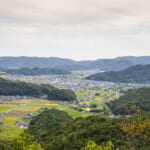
[(128, 103), (28, 89), (55, 133), (54, 130), (53, 62), (35, 71), (135, 74)]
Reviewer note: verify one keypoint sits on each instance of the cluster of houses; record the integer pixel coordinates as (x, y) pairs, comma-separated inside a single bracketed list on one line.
[(20, 123), (1, 116), (1, 121), (23, 124), (70, 83), (87, 97), (64, 83), (5, 99)]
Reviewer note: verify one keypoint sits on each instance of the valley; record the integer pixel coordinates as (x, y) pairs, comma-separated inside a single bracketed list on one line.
[(74, 75), (69, 102), (16, 112)]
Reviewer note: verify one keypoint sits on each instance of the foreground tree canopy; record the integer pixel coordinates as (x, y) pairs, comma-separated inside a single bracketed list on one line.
[(55, 130)]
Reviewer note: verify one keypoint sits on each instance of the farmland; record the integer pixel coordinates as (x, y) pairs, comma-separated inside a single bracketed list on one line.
[(94, 100), (16, 110), (91, 100)]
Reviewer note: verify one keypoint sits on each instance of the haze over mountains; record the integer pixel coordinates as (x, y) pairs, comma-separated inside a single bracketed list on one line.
[(34, 71), (74, 75), (118, 63)]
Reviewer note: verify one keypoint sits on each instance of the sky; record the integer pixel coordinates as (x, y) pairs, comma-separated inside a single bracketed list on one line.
[(75, 29)]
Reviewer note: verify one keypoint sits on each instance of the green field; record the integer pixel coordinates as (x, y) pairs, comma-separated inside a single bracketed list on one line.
[(10, 133), (6, 107), (94, 102), (22, 107), (99, 98), (101, 93), (75, 114), (9, 121)]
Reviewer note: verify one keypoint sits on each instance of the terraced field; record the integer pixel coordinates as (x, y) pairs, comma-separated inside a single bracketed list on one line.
[(96, 99), (7, 107), (16, 110)]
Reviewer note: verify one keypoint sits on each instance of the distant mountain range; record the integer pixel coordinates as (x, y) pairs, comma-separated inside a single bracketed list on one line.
[(118, 63), (134, 74), (34, 71)]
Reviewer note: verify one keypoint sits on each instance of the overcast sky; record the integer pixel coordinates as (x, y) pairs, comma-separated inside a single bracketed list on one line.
[(77, 29)]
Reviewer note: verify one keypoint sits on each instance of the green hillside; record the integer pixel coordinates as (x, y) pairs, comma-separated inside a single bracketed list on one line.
[(135, 74), (128, 103), (55, 130), (13, 88)]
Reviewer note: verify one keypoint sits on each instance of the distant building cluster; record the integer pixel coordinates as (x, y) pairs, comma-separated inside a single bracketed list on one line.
[(64, 83)]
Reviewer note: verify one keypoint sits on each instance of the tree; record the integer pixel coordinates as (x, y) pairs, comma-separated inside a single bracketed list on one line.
[(137, 130), (26, 142), (91, 145)]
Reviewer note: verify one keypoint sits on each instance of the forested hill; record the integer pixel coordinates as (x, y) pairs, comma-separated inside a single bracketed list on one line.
[(13, 88), (60, 63), (32, 62), (127, 103), (135, 74), (35, 71), (55, 130), (53, 62)]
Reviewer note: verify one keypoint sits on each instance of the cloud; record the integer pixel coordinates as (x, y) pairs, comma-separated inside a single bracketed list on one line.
[(82, 24)]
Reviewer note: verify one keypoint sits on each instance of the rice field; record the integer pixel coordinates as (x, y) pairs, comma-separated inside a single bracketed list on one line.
[(9, 121), (75, 113), (81, 103), (20, 108), (10, 133), (6, 107)]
